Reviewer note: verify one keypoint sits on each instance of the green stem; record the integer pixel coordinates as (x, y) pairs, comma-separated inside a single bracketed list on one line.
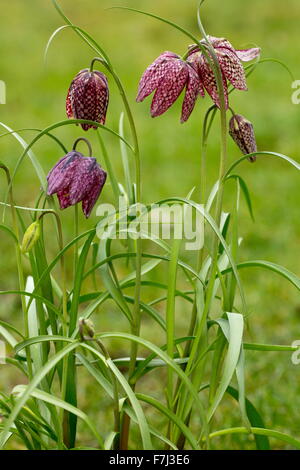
[(117, 422), (136, 322), (205, 133), (170, 317), (19, 264), (222, 168), (76, 230), (213, 60), (65, 316), (109, 168)]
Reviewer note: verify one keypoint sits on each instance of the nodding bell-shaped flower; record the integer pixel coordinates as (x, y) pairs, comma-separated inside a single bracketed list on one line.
[(230, 61), (169, 75), (242, 132), (88, 97), (76, 178)]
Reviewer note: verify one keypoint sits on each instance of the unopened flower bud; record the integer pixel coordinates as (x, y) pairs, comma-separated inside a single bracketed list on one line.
[(88, 97), (31, 236), (242, 132), (86, 328)]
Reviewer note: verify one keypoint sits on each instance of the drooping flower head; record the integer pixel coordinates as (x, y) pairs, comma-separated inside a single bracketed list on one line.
[(242, 132), (169, 75), (88, 97), (230, 61), (76, 178)]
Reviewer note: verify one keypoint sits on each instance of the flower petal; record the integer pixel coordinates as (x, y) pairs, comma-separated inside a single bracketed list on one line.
[(89, 97), (193, 88), (60, 175), (210, 83), (194, 61), (153, 75), (248, 54), (64, 198), (232, 68), (94, 191), (69, 105), (82, 178), (221, 42), (170, 87), (101, 96)]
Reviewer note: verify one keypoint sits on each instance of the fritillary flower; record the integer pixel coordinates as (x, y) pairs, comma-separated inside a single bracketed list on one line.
[(230, 61), (168, 75), (88, 97), (76, 178)]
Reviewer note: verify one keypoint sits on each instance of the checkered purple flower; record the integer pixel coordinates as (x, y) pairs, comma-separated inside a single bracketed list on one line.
[(88, 97), (168, 75), (230, 61), (76, 178)]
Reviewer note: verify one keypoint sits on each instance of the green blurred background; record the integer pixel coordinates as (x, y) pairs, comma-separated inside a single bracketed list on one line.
[(170, 158)]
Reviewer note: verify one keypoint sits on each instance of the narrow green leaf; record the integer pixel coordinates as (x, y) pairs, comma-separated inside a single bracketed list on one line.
[(30, 387), (53, 400), (234, 334)]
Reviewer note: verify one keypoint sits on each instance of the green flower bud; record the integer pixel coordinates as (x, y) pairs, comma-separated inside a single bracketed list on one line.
[(86, 328), (31, 236)]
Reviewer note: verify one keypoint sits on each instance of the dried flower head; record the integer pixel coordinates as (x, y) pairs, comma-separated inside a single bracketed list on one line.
[(76, 178), (88, 97), (169, 75), (242, 132)]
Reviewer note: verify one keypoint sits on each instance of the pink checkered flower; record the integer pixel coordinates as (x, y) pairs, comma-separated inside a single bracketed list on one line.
[(230, 61), (76, 178), (169, 75), (88, 97)]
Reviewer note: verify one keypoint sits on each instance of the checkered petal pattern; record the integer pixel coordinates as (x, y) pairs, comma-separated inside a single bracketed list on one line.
[(194, 87), (230, 64), (169, 88), (154, 73), (88, 97), (76, 178), (242, 132), (168, 75)]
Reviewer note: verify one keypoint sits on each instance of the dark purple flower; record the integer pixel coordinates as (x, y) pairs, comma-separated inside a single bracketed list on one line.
[(169, 75), (88, 97), (230, 61), (76, 178), (242, 132)]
